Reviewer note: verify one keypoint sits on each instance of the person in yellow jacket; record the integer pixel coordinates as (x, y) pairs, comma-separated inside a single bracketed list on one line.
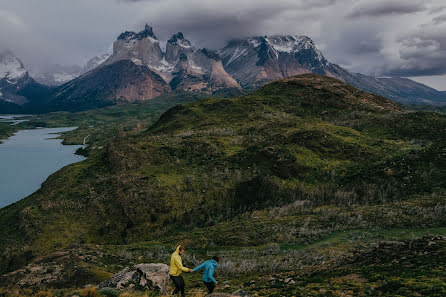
[(176, 268)]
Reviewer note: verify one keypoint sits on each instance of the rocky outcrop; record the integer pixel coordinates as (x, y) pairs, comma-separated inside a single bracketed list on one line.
[(141, 277), (182, 66), (143, 48), (196, 70)]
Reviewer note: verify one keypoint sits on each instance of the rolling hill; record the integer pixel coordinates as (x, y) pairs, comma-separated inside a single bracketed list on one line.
[(307, 178)]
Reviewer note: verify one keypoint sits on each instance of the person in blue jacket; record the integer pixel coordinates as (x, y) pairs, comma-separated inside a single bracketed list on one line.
[(208, 274)]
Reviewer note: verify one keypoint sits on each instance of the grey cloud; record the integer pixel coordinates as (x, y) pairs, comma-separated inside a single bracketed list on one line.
[(386, 8), (367, 46), (437, 9), (439, 20), (422, 53), (212, 26)]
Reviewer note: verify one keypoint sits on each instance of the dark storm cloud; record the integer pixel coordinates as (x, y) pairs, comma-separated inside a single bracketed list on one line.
[(439, 20), (366, 46), (386, 8), (422, 53), (211, 24)]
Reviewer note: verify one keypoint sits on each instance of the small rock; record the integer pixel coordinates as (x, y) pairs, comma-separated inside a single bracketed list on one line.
[(240, 293)]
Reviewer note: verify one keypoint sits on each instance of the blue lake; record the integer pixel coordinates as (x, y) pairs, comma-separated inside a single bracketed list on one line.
[(27, 159)]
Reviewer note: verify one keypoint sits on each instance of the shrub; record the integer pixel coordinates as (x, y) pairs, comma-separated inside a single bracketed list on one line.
[(43, 294), (90, 292), (108, 292)]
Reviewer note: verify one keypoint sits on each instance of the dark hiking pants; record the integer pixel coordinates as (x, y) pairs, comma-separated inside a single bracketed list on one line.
[(178, 281), (210, 286)]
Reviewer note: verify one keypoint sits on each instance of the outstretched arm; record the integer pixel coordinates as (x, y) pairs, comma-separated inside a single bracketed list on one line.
[(198, 267)]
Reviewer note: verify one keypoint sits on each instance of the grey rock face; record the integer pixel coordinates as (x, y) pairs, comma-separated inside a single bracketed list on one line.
[(182, 66), (196, 69), (256, 61), (140, 277), (141, 48)]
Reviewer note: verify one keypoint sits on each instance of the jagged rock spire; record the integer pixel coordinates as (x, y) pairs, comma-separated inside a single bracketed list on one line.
[(146, 32)]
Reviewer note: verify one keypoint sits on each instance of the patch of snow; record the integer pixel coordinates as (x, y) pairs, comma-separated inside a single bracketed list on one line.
[(102, 58), (164, 67), (11, 68), (164, 62), (1, 94), (63, 77), (195, 67), (282, 48), (254, 42), (153, 40), (272, 46), (237, 53), (294, 43), (129, 43), (136, 61), (184, 43)]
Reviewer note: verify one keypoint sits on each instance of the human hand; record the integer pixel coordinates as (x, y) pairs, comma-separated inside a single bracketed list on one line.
[(190, 270)]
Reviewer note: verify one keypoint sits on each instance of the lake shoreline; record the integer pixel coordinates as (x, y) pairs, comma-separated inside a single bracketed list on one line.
[(30, 156)]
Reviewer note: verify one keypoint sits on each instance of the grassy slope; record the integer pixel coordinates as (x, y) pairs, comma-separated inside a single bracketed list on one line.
[(297, 176)]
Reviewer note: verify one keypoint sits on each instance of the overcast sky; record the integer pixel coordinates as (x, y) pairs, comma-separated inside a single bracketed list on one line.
[(379, 37)]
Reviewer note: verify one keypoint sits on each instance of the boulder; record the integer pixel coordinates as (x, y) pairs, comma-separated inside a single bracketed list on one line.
[(153, 277)]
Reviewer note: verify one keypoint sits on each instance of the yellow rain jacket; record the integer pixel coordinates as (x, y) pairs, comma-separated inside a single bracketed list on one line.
[(176, 265)]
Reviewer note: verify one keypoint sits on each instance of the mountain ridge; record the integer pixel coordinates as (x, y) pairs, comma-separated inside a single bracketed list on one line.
[(256, 60), (250, 63), (243, 64)]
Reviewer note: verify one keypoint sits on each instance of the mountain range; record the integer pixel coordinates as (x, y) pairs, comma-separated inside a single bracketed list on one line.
[(56, 75), (139, 69)]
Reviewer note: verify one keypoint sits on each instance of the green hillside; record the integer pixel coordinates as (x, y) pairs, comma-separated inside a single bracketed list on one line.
[(307, 178)]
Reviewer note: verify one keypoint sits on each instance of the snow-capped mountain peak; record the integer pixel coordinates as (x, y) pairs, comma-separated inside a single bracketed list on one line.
[(11, 67), (258, 59)]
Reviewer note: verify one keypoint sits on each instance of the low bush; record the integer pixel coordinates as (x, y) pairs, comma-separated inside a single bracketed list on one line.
[(108, 292)]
